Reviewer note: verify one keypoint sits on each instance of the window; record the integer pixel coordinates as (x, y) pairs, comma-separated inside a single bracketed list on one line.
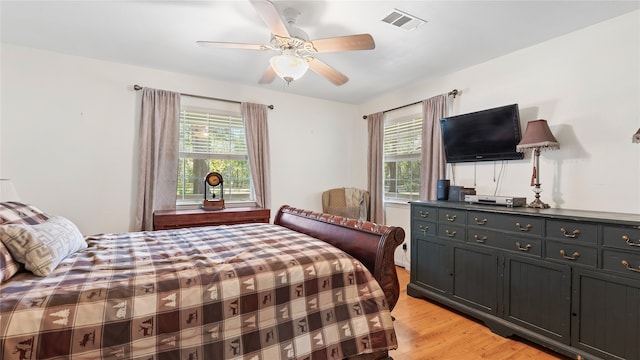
[(212, 141), (402, 154)]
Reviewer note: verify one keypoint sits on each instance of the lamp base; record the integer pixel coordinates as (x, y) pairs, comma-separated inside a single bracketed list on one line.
[(538, 204)]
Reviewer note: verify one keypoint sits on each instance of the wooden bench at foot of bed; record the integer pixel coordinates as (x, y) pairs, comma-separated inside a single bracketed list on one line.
[(372, 244)]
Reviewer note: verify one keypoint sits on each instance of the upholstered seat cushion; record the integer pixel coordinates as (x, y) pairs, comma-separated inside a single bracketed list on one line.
[(347, 202), (352, 212), (336, 198)]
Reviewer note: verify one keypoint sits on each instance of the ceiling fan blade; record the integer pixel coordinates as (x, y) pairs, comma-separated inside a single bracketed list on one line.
[(345, 43), (228, 45), (270, 16), (333, 75), (268, 76)]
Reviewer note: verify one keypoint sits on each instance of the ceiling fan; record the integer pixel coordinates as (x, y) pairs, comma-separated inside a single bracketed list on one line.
[(296, 53)]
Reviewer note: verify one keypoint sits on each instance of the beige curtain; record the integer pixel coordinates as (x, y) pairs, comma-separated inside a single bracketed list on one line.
[(255, 124), (374, 166), (433, 164), (158, 151)]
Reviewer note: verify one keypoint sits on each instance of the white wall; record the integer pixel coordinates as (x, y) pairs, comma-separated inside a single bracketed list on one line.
[(587, 86), (69, 126)]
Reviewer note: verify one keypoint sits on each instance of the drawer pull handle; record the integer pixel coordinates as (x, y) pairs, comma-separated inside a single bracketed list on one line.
[(450, 234), (424, 229), (574, 234), (424, 214), (526, 228), (526, 248), (574, 256), (480, 240), (629, 242), (626, 265), (450, 218), (481, 222)]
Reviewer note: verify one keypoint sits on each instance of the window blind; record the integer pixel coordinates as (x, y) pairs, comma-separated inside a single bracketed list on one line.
[(403, 138), (211, 134)]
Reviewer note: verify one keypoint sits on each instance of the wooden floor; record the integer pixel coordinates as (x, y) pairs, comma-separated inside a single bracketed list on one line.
[(429, 331)]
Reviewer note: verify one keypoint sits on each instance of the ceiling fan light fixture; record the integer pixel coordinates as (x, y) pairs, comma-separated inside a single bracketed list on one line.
[(289, 67)]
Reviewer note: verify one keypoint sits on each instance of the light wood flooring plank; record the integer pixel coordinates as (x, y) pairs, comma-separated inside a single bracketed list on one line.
[(428, 331)]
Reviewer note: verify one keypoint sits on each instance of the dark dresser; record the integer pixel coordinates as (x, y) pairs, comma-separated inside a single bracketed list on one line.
[(566, 279)]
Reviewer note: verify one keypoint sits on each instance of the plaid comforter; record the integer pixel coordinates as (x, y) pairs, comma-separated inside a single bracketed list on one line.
[(252, 291)]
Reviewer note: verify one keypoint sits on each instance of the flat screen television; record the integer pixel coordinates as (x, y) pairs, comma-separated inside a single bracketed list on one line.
[(486, 135)]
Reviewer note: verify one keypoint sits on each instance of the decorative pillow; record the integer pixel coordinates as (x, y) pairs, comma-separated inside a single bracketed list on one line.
[(41, 247), (8, 266), (18, 213)]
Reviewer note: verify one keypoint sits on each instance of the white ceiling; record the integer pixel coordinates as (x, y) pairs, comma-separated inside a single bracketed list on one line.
[(163, 35)]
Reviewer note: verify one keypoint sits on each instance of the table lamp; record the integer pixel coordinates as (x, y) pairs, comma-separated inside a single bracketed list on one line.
[(538, 137)]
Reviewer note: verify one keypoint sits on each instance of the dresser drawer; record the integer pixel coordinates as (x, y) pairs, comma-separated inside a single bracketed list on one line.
[(451, 232), (423, 228), (572, 230), (484, 237), (522, 224), (572, 253), (452, 216), (622, 262), (499, 240), (424, 213), (621, 237), (523, 245)]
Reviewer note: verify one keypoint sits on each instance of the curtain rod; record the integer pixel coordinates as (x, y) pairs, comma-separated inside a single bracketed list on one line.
[(137, 87), (453, 93)]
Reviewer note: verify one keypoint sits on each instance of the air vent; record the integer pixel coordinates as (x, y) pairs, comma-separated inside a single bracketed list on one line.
[(403, 20)]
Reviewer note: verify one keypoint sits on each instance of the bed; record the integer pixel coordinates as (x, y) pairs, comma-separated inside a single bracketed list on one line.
[(308, 286)]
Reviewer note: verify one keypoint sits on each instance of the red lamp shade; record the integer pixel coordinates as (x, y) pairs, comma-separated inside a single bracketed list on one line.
[(537, 136)]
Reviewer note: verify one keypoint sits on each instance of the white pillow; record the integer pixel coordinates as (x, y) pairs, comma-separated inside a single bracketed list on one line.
[(41, 247)]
